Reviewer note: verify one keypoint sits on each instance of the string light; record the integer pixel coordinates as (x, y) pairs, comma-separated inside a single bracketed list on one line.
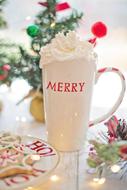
[(54, 178), (23, 119), (95, 179), (28, 18), (17, 118), (76, 114), (35, 157), (29, 188), (53, 24), (100, 181), (115, 168)]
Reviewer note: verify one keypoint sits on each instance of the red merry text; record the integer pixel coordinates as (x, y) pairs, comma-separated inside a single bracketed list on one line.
[(66, 87)]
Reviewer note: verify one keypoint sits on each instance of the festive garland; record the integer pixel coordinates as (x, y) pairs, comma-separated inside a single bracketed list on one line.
[(111, 154)]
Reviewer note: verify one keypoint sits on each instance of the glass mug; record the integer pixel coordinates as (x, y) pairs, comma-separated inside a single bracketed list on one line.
[(68, 89)]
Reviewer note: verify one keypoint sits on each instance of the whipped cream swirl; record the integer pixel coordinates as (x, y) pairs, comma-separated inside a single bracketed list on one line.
[(63, 48)]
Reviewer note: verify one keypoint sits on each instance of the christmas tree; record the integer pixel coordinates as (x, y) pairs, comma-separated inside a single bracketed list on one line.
[(47, 24), (4, 67), (25, 64), (2, 20)]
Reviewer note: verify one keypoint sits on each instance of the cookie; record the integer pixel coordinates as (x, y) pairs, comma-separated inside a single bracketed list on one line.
[(7, 139), (13, 162)]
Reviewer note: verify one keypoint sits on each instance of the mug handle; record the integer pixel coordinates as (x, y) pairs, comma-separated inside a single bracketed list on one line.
[(120, 98)]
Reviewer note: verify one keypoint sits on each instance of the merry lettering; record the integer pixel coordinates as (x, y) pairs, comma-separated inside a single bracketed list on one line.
[(66, 86)]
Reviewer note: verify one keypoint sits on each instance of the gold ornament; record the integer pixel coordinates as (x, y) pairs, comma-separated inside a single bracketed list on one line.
[(37, 107)]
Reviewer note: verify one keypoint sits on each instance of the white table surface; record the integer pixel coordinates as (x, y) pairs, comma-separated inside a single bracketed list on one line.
[(71, 169)]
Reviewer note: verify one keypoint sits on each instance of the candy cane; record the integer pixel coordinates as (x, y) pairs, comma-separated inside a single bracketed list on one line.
[(120, 98)]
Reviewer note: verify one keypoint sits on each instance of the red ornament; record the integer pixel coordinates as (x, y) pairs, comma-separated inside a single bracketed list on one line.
[(2, 77), (123, 149), (99, 29), (58, 7), (6, 67), (123, 152), (62, 6)]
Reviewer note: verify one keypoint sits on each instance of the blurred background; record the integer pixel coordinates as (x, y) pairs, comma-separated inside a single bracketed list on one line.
[(111, 50)]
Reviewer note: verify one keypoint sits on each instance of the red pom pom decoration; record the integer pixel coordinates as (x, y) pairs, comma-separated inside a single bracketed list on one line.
[(2, 77), (99, 29), (6, 67)]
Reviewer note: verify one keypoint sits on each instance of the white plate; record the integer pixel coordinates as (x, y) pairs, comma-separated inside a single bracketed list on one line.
[(48, 161)]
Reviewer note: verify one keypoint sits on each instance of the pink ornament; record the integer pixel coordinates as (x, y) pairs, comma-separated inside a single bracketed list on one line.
[(6, 67)]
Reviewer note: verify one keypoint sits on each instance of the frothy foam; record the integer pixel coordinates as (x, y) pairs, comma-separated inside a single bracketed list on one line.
[(63, 48)]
